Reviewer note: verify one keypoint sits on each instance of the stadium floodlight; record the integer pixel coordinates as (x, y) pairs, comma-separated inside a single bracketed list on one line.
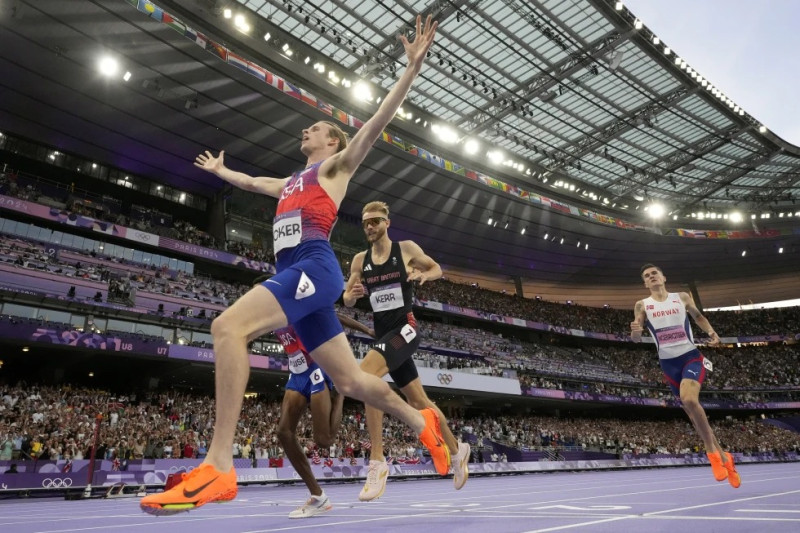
[(638, 24), (656, 210), (762, 129), (445, 133), (362, 91), (495, 156), (619, 6), (667, 51), (108, 66), (471, 146)]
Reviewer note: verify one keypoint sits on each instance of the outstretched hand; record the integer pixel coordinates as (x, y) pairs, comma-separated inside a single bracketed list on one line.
[(423, 39), (210, 163)]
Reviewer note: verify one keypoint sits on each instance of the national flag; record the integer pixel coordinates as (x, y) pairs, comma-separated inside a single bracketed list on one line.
[(173, 23), (115, 464), (196, 36), (291, 90), (412, 460), (237, 61), (145, 6), (353, 121), (67, 467), (385, 137), (325, 107), (340, 115), (397, 141), (471, 174), (217, 49), (328, 462), (275, 81), (256, 71), (308, 98), (366, 444)]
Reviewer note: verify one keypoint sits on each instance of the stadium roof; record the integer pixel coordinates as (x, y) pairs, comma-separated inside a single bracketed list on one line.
[(593, 118), (581, 90)]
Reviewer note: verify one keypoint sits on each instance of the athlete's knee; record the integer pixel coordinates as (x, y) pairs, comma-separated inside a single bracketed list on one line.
[(418, 404), (690, 401), (285, 435), (323, 438), (226, 325), (349, 386)]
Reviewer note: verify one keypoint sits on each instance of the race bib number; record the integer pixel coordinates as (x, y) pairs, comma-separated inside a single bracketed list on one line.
[(386, 298), (287, 230), (671, 335), (316, 377), (708, 365), (298, 363), (408, 333)]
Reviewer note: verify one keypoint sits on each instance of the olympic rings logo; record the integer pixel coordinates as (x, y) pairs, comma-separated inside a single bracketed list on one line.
[(445, 379), (57, 483)]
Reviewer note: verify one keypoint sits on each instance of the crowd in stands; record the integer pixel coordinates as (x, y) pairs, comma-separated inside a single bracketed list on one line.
[(136, 276), (617, 435), (605, 320), (252, 251), (451, 347), (58, 423)]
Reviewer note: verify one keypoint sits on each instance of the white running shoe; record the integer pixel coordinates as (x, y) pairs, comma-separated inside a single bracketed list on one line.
[(316, 505), (376, 481), (461, 465)]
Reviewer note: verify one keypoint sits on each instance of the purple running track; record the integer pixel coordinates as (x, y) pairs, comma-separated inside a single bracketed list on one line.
[(655, 501)]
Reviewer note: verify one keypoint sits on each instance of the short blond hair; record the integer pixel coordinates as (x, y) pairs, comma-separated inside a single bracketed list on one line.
[(377, 205), (335, 132)]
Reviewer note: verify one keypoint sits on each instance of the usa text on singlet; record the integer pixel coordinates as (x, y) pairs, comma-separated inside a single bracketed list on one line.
[(299, 360), (390, 292), (305, 211), (669, 325)]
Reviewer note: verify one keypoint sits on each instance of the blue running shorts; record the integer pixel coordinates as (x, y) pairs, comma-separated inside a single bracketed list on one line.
[(312, 381), (308, 283)]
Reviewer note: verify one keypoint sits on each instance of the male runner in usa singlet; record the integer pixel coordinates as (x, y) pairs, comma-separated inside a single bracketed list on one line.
[(665, 315), (386, 273), (302, 293), (309, 386)]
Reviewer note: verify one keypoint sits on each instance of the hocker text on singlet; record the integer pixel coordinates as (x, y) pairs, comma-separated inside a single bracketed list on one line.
[(387, 297), (287, 230), (671, 335), (297, 363)]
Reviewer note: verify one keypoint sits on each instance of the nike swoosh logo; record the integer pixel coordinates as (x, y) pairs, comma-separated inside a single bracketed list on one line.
[(272, 281), (191, 494)]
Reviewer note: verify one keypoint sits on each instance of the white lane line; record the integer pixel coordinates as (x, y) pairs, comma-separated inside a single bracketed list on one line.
[(655, 514)]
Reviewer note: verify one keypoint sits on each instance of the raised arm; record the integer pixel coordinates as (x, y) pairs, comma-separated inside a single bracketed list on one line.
[(701, 321), (354, 289), (348, 160), (639, 319), (422, 267), (216, 165)]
